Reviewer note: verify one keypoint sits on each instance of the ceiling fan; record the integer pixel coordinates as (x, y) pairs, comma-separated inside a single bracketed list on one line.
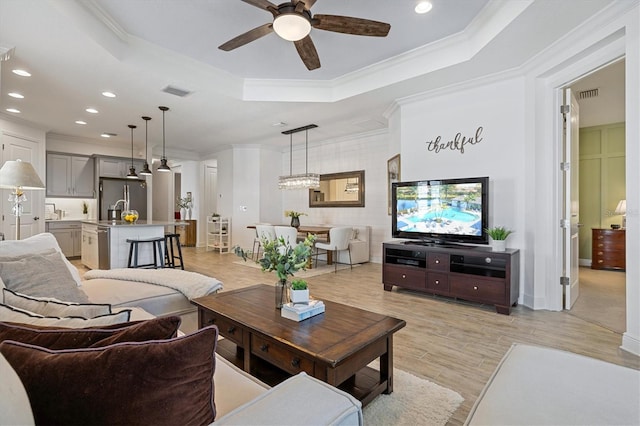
[(293, 22)]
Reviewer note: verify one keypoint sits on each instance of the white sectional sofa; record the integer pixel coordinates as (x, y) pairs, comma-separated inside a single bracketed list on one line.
[(239, 398)]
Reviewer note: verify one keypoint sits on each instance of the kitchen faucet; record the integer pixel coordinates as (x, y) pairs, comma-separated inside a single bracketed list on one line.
[(125, 200)]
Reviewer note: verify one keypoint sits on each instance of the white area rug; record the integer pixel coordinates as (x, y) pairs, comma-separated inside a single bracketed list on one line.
[(414, 401), (322, 269)]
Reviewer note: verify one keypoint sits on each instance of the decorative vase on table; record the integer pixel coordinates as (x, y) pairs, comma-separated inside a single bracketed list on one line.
[(189, 213), (498, 245), (282, 293), (183, 214), (295, 222)]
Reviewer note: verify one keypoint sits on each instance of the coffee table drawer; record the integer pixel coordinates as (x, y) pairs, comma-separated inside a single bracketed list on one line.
[(227, 328), (287, 360)]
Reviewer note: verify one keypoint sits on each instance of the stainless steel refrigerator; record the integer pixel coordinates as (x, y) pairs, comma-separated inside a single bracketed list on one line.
[(112, 190)]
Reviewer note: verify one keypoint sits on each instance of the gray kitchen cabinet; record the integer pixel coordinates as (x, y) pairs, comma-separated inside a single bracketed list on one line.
[(70, 176), (69, 236), (117, 167)]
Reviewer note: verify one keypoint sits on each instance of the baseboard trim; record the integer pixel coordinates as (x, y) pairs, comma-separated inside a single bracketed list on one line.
[(630, 344)]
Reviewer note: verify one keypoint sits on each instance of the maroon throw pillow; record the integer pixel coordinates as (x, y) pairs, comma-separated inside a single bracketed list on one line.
[(75, 338), (160, 382)]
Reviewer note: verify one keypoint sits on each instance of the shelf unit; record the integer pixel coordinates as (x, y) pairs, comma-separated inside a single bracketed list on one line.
[(219, 234), (465, 272)]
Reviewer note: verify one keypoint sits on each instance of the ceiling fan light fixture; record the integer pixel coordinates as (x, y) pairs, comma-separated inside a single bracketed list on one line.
[(292, 26)]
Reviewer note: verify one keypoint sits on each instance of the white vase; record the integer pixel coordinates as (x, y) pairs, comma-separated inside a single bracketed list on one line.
[(189, 213), (498, 245), (183, 213)]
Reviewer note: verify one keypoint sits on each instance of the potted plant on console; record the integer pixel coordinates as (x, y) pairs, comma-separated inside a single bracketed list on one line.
[(498, 235), (283, 258)]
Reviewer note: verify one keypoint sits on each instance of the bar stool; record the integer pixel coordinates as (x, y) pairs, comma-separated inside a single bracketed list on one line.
[(156, 248), (171, 239)]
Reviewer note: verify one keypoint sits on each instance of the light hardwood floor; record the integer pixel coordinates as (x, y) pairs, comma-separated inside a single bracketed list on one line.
[(455, 344)]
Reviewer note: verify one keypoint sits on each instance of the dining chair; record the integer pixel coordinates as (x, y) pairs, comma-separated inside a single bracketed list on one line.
[(339, 238), (257, 241), (288, 233), (265, 232)]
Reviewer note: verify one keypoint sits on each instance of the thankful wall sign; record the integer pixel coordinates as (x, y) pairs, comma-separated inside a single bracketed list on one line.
[(458, 143)]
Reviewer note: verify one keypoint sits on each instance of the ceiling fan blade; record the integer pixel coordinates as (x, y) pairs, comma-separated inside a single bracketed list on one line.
[(307, 51), (308, 4), (247, 37), (349, 25), (261, 4)]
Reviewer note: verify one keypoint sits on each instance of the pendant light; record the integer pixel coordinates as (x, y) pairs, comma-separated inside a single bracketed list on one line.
[(301, 181), (145, 169), (163, 161), (132, 170)]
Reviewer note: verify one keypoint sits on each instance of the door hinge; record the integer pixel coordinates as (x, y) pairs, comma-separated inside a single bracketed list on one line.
[(565, 109), (565, 223), (564, 280), (565, 166)]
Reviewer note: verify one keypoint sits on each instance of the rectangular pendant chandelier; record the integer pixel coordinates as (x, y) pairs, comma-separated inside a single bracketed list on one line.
[(300, 181)]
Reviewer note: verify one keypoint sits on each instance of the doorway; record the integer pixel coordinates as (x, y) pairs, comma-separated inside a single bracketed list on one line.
[(600, 96)]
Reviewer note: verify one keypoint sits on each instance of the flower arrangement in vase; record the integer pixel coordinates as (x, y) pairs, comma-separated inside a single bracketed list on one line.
[(295, 217), (283, 258)]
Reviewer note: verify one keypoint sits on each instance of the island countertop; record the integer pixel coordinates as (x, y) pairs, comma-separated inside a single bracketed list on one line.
[(118, 223)]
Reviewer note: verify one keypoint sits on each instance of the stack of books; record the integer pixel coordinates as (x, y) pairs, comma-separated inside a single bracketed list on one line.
[(299, 312)]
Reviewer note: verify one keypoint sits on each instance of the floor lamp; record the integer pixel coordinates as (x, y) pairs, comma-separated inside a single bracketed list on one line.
[(18, 176)]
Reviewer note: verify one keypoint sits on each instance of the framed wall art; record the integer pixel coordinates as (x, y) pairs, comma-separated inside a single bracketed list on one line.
[(393, 175)]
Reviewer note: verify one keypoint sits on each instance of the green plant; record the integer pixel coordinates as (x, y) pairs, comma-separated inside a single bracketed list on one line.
[(85, 208), (299, 284), (293, 213), (281, 257), (498, 232), (183, 203)]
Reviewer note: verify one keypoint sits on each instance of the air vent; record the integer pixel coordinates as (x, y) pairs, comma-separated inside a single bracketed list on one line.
[(176, 91), (586, 94)]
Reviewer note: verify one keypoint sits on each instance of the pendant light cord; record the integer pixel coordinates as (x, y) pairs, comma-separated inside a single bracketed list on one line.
[(306, 150), (132, 147), (290, 154)]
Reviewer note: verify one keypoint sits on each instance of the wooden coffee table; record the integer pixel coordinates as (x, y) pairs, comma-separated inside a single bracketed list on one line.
[(335, 346)]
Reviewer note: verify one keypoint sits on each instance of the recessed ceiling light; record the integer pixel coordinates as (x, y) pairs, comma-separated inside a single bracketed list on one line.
[(108, 94), (15, 111), (22, 73), (92, 110), (279, 124), (423, 7), (108, 135), (16, 95), (80, 122)]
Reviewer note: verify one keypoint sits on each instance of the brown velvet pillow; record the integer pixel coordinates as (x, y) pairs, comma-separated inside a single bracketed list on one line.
[(162, 382), (96, 337)]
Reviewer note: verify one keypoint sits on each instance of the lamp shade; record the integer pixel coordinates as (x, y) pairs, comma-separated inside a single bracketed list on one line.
[(622, 207), (18, 174)]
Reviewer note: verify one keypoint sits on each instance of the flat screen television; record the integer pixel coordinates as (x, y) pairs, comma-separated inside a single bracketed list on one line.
[(441, 211)]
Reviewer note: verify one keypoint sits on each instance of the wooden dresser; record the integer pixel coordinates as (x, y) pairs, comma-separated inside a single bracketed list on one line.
[(608, 249)]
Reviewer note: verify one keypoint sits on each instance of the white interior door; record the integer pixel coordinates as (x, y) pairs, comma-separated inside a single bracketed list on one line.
[(211, 189), (571, 215), (16, 148)]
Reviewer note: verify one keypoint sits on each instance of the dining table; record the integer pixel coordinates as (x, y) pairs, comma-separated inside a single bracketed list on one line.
[(317, 230)]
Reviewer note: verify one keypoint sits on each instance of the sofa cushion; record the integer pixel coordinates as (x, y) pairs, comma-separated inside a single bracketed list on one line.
[(41, 275), (75, 338), (12, 314), (37, 244), (323, 404), (51, 307), (14, 402), (162, 382)]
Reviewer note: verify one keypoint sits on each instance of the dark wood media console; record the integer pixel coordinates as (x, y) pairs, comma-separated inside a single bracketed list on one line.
[(471, 273)]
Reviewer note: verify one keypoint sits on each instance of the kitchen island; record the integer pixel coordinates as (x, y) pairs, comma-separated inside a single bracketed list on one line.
[(104, 242)]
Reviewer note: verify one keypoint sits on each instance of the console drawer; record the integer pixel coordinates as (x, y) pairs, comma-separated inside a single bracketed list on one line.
[(438, 283), (478, 289), (438, 262), (287, 360), (404, 276), (227, 328)]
